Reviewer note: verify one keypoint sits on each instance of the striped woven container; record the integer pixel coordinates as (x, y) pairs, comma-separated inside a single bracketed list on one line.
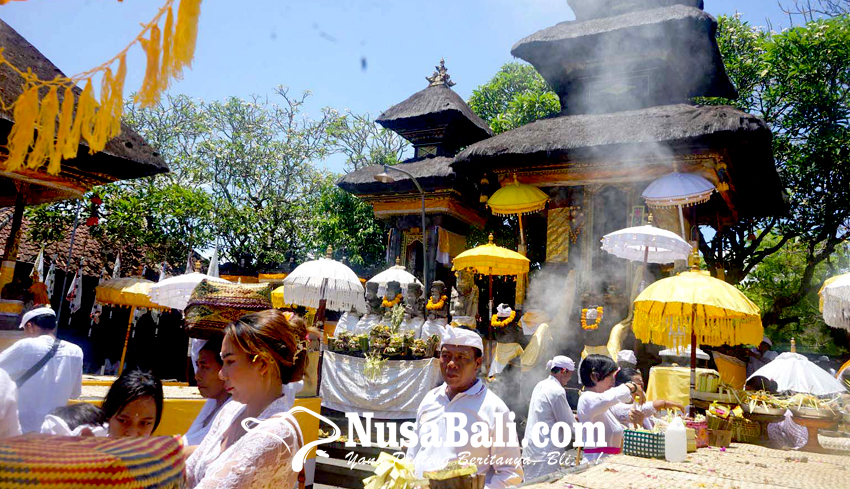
[(37, 461), (214, 305)]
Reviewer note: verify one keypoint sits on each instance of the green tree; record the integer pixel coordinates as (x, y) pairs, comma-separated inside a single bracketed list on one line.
[(364, 143), (515, 96), (348, 224), (798, 81)]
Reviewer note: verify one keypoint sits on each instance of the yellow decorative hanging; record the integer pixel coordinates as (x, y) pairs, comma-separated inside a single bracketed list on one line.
[(37, 138), (517, 198), (389, 304), (496, 323), (719, 313)]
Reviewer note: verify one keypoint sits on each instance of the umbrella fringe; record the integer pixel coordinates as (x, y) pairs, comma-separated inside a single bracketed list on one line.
[(672, 329)]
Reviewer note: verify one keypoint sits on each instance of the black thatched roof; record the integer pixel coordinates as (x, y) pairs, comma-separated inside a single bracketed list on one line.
[(656, 132), (434, 107), (567, 133), (638, 59), (591, 9), (126, 156), (433, 172)]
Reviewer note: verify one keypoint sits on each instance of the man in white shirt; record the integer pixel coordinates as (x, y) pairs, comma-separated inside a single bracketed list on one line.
[(548, 406), (464, 412), (47, 371), (761, 356), (9, 425)]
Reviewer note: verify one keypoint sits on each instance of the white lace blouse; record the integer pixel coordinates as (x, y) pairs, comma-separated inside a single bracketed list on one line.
[(262, 458)]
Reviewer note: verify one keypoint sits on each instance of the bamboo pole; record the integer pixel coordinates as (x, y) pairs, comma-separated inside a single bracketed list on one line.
[(126, 340)]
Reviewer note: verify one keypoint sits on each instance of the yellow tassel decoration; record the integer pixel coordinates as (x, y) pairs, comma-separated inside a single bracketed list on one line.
[(118, 98), (43, 146), (83, 117), (149, 92), (167, 46), (21, 135), (185, 35), (66, 120), (102, 120), (84, 122)]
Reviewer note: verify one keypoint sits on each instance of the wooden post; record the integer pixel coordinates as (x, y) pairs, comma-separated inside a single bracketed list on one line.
[(126, 340), (489, 348), (11, 250), (693, 358)]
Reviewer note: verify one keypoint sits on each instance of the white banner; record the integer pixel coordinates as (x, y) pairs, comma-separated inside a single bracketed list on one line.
[(396, 394)]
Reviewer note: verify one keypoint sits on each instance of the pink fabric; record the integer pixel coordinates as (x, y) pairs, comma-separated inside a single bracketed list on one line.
[(606, 450)]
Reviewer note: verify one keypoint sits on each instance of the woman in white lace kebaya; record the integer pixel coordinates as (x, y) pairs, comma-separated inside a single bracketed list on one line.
[(261, 352)]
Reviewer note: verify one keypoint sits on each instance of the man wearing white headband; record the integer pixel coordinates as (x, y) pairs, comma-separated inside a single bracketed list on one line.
[(47, 371), (548, 406), (761, 356), (464, 404)]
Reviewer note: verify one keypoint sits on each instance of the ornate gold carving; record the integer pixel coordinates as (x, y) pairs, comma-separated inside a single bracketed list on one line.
[(558, 235), (441, 76), (407, 239)]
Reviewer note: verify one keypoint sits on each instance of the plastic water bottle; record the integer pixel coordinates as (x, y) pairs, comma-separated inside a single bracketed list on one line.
[(676, 441)]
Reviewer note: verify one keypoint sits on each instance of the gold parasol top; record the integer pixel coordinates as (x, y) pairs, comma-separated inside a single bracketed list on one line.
[(128, 292), (720, 313), (517, 198), (491, 259)]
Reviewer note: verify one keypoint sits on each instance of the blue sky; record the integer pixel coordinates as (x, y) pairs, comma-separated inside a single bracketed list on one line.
[(250, 46)]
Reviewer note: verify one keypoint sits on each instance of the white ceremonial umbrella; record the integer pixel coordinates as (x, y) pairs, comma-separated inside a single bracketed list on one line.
[(683, 352), (678, 190), (174, 292), (324, 280), (395, 273), (796, 373), (836, 303), (647, 244)]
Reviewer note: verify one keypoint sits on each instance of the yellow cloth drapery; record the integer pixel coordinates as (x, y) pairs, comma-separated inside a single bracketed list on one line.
[(672, 383)]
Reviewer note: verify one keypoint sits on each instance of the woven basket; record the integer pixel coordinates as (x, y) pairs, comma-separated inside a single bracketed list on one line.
[(643, 444), (37, 461), (214, 305), (745, 431)]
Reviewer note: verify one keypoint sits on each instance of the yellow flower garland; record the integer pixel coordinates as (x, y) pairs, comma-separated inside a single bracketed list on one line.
[(391, 303), (595, 324), (436, 307), (494, 321)]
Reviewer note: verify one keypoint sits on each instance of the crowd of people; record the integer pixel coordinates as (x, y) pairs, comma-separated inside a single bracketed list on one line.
[(250, 376), (249, 379)]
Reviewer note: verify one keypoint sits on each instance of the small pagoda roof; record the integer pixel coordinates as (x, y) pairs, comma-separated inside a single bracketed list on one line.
[(436, 115), (432, 173), (126, 156), (631, 135)]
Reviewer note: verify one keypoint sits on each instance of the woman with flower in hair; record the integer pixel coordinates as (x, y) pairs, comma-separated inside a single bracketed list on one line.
[(261, 353)]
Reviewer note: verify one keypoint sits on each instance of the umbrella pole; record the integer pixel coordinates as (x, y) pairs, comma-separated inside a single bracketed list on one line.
[(320, 318), (126, 340), (489, 323), (693, 359), (521, 235), (682, 222)]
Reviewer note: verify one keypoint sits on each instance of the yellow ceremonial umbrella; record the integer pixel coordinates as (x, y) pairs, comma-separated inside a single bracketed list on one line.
[(693, 303), (132, 292), (517, 199), (490, 259)]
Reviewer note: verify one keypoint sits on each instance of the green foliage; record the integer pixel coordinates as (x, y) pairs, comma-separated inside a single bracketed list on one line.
[(363, 142), (515, 96), (798, 81), (778, 276), (49, 221), (346, 223)]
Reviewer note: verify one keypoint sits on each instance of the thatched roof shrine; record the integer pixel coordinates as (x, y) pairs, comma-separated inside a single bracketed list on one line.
[(431, 173), (126, 156), (436, 116)]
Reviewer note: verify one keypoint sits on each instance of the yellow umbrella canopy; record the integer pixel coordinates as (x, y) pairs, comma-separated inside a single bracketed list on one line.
[(517, 198), (490, 259), (128, 291), (719, 313)]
